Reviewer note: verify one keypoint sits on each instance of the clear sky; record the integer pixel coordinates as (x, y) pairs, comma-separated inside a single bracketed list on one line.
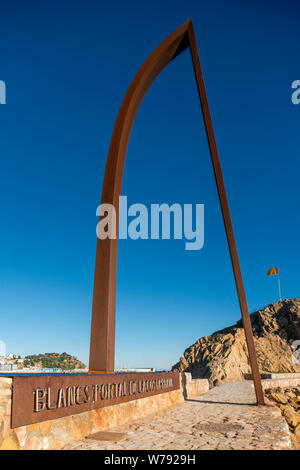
[(67, 66)]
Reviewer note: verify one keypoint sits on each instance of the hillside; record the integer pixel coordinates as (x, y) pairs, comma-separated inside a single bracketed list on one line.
[(62, 361), (223, 357)]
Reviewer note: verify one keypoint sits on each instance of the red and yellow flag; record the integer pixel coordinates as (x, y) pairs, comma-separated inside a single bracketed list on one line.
[(272, 271)]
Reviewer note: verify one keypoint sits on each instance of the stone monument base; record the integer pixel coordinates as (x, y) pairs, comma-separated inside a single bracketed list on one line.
[(56, 432)]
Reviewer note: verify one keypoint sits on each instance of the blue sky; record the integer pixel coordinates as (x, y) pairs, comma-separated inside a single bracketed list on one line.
[(67, 66)]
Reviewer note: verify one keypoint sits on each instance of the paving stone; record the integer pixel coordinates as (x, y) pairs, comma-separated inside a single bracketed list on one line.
[(226, 417)]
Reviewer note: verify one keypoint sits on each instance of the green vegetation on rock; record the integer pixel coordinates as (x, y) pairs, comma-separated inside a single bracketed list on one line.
[(62, 361)]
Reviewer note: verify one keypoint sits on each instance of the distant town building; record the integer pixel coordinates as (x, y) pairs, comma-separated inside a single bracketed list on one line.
[(8, 366), (11, 362)]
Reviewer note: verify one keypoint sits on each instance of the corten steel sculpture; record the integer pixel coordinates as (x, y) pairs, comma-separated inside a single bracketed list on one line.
[(102, 348)]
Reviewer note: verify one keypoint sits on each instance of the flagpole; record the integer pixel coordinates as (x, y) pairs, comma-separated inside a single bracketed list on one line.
[(279, 288)]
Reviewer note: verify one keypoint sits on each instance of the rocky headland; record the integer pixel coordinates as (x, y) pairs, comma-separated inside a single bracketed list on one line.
[(223, 357)]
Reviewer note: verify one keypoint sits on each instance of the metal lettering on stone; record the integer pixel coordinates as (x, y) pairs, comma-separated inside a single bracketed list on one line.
[(42, 398)]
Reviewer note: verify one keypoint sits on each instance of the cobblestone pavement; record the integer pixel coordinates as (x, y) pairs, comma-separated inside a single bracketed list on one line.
[(226, 417)]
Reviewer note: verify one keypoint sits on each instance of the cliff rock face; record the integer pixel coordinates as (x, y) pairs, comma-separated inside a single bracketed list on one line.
[(223, 356)]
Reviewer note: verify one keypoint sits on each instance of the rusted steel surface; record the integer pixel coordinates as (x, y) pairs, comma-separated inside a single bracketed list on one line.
[(102, 346), (104, 298), (42, 398), (226, 215)]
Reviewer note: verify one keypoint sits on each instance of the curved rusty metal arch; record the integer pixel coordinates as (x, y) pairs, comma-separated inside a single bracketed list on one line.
[(102, 347)]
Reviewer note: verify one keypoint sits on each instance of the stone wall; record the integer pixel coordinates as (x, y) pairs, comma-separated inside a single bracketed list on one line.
[(282, 382), (56, 433), (193, 387), (272, 375), (5, 410)]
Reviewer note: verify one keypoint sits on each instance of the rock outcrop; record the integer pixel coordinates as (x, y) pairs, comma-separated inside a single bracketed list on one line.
[(223, 356), (288, 400)]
